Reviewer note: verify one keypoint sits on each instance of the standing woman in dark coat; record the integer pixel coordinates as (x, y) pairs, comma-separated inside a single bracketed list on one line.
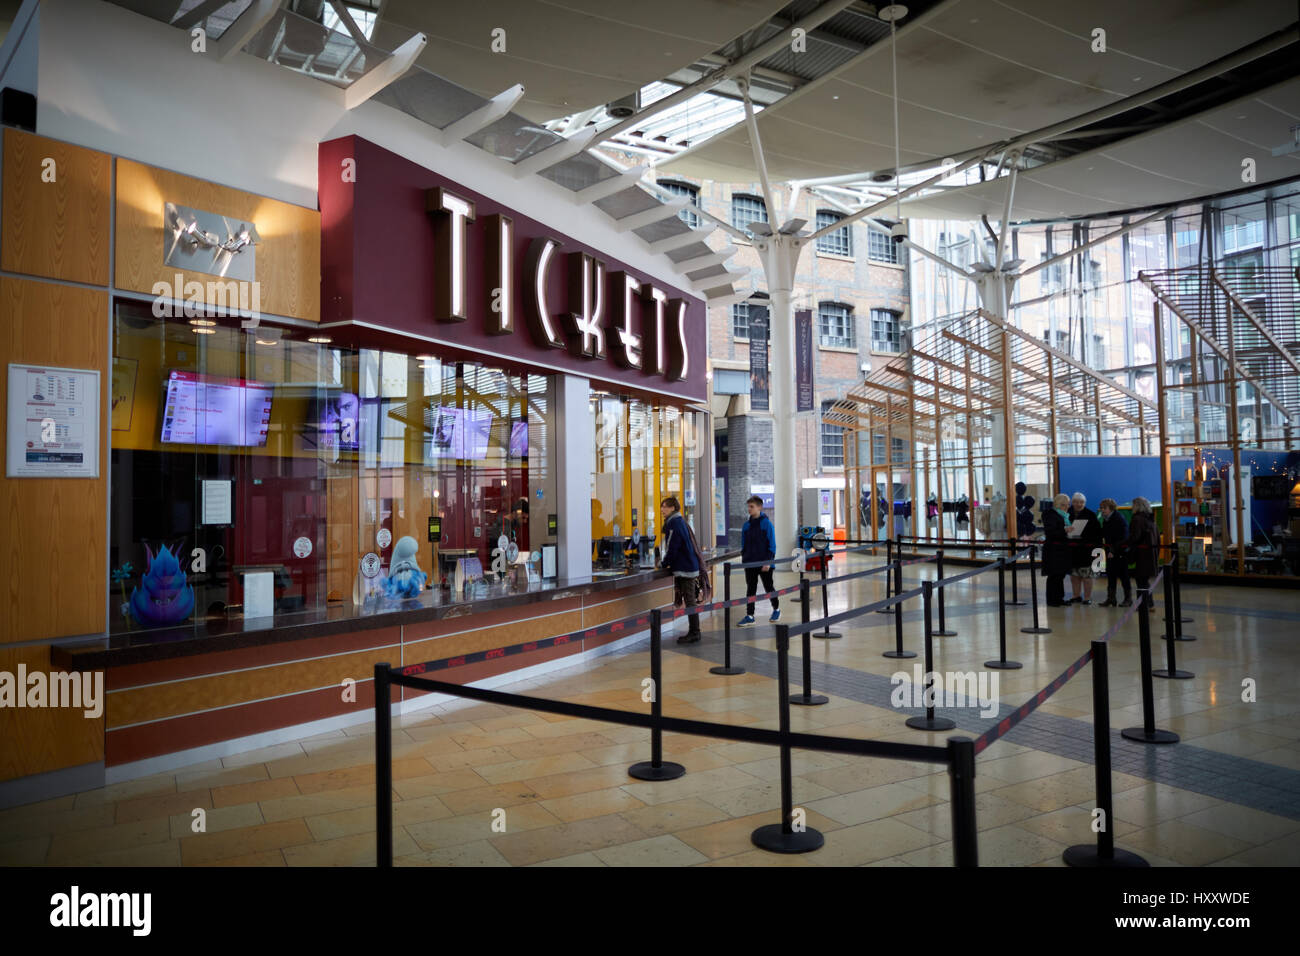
[(1056, 550), (1081, 548), (1114, 533), (1142, 541)]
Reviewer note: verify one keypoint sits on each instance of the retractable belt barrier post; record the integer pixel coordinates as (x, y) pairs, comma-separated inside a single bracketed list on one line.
[(1104, 852), (1002, 664), (938, 564), (1147, 733), (726, 669), (784, 837), (656, 768), (889, 559), (1179, 620), (929, 721), (807, 698), (1033, 587), (1015, 596), (1171, 671), (961, 777), (383, 767), (898, 652), (826, 633)]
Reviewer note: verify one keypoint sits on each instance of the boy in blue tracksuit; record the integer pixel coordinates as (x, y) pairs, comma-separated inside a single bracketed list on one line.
[(679, 558), (758, 543)]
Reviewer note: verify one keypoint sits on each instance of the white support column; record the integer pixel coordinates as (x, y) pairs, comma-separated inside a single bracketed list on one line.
[(780, 256), (575, 439)]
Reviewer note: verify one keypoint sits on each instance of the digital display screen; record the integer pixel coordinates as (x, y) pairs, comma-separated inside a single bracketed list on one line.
[(519, 440), (208, 410), (333, 422), (460, 433)]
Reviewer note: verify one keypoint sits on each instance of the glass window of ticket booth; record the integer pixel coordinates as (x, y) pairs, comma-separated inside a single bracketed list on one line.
[(643, 452), (273, 453)]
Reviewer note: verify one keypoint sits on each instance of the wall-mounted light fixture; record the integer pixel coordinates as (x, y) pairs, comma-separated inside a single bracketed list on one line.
[(194, 231)]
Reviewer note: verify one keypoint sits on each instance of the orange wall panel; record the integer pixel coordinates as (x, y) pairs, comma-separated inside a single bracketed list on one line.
[(53, 553), (57, 229), (38, 740)]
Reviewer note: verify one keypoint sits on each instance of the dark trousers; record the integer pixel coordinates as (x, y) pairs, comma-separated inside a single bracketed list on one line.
[(751, 587), (1116, 571), (687, 590), (1056, 589)]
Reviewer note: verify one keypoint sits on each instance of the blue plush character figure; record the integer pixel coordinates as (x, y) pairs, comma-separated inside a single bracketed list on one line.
[(405, 579), (163, 597)]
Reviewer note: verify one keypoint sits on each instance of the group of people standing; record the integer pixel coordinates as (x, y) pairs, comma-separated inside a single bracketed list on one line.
[(1075, 537)]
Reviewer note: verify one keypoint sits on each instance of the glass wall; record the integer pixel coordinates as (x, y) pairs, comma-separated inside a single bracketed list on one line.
[(642, 454), (238, 452)]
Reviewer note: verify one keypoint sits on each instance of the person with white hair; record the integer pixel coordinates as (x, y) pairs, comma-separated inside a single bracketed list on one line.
[(1082, 545)]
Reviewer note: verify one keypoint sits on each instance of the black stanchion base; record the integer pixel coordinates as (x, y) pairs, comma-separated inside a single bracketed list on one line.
[(886, 610), (1174, 675), (648, 771), (1015, 603), (1140, 736), (1004, 665), (828, 635), (1087, 854), (899, 655), (809, 700), (1035, 630), (773, 837), (1184, 637), (928, 723), (726, 671), (1186, 620), (943, 633)]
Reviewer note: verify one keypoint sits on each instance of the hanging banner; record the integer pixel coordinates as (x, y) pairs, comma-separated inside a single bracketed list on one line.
[(803, 360), (758, 375)]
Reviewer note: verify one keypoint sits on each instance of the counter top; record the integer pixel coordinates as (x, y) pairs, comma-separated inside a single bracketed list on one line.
[(118, 650)]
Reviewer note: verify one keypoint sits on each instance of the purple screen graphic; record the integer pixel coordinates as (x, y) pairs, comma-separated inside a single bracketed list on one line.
[(460, 433), (332, 422), (207, 410), (519, 440)]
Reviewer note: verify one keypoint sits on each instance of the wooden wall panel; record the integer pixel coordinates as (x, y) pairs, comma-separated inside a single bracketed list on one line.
[(53, 554), (288, 257), (38, 740), (56, 229)]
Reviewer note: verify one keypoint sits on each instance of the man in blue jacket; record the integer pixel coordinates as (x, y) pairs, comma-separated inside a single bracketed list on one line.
[(758, 543), (679, 558)]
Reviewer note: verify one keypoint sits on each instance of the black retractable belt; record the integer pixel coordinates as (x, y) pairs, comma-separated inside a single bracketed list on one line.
[(656, 768)]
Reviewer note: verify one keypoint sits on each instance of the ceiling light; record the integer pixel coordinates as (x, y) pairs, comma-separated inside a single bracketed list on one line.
[(319, 339), (199, 331), (895, 11), (206, 323), (266, 341)]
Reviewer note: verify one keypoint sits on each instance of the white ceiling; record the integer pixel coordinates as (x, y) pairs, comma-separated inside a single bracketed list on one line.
[(974, 72), (570, 55), (1198, 156)]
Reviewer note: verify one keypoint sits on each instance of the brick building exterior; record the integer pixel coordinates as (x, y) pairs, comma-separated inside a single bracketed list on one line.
[(857, 289)]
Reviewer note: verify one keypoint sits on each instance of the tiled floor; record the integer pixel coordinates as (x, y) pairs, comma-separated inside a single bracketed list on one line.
[(480, 785)]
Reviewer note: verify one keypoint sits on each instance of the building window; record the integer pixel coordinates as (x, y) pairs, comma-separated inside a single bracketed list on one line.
[(832, 440), (880, 247), (740, 315), (898, 446), (730, 381), (836, 326), (746, 209), (692, 194), (886, 335), (839, 242)]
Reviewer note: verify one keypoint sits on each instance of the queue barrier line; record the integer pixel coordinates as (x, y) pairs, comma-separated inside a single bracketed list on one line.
[(808, 553), (823, 582), (1005, 725)]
